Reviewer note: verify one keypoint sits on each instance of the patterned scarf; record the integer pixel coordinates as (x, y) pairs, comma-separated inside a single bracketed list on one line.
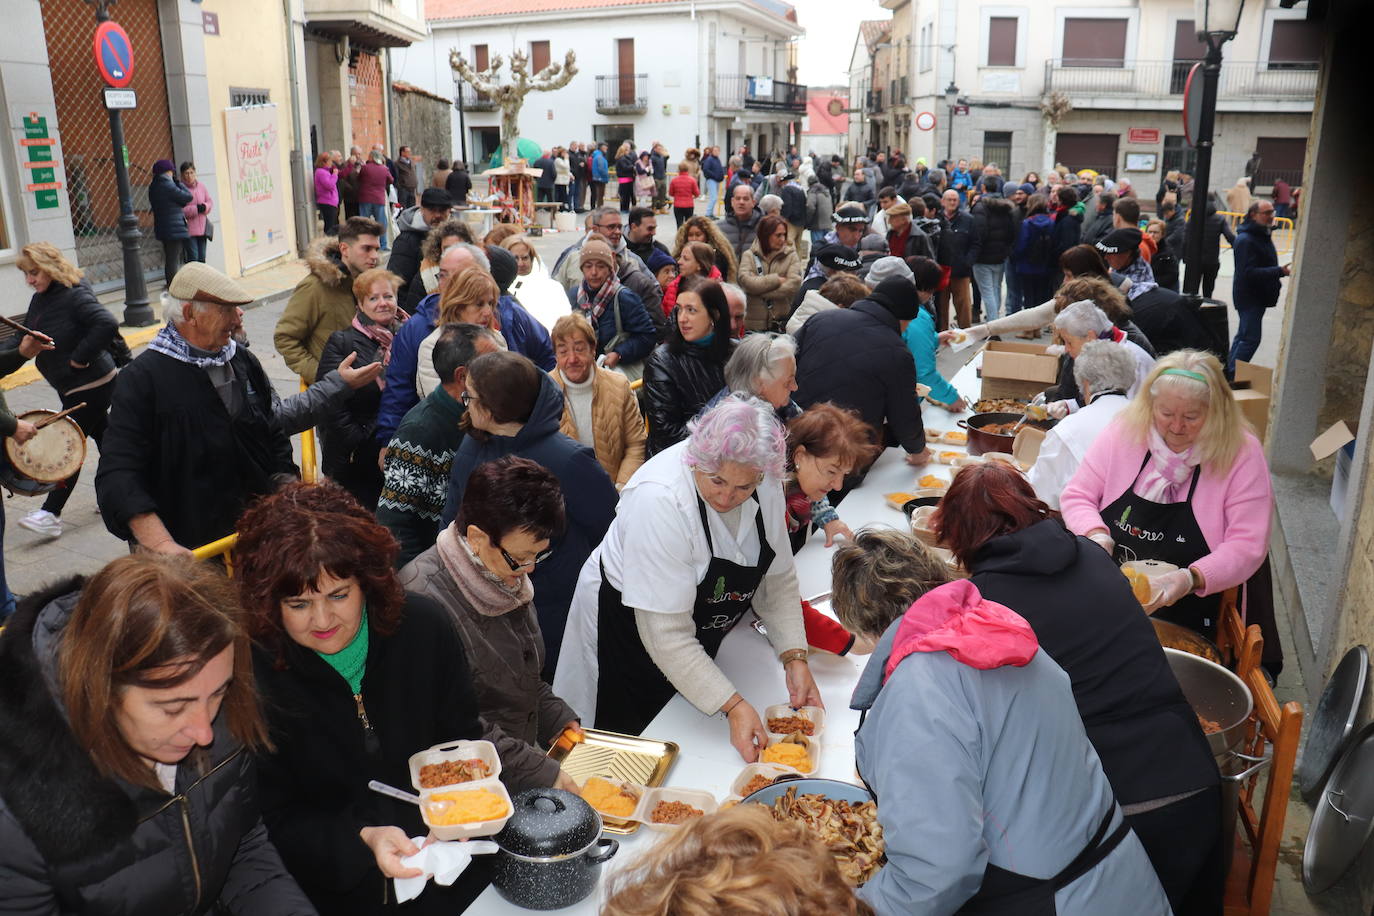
[(487, 594), (383, 336), (169, 342), (1142, 278), (1167, 473), (594, 306)]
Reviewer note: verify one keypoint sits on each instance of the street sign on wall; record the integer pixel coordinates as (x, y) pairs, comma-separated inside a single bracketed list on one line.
[(1142, 135), (114, 54), (925, 121), (42, 181)]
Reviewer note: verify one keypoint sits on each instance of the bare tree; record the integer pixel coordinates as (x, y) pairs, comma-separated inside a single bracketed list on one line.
[(511, 96)]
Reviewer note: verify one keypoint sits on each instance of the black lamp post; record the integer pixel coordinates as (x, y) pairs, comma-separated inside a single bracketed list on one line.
[(951, 100), (1217, 23)]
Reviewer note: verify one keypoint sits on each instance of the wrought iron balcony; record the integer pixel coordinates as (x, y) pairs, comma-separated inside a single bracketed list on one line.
[(737, 92), (1284, 81), (622, 93), (875, 101), (474, 100)]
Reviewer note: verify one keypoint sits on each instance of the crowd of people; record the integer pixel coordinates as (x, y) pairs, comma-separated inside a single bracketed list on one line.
[(550, 493)]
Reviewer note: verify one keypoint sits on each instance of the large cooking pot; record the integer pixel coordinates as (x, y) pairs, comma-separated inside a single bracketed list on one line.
[(551, 851), (980, 441)]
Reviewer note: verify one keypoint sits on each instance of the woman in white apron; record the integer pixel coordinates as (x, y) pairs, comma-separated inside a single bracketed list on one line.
[(699, 537)]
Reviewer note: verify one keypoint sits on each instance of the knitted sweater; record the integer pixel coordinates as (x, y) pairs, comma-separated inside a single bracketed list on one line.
[(416, 470)]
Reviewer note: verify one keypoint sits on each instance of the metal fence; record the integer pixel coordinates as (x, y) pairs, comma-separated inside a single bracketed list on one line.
[(622, 93), (68, 26), (1239, 79), (736, 92), (472, 99)]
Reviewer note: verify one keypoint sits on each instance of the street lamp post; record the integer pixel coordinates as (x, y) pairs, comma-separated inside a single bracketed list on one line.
[(951, 100), (1217, 22)]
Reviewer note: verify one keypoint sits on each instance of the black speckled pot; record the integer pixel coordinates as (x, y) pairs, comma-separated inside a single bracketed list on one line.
[(551, 851)]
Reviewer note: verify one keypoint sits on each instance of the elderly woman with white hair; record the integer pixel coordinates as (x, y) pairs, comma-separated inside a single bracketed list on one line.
[(1179, 477), (1104, 373), (1080, 322), (700, 536)]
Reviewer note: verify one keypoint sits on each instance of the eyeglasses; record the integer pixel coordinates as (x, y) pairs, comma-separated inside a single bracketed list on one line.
[(467, 397), (611, 227), (528, 564)]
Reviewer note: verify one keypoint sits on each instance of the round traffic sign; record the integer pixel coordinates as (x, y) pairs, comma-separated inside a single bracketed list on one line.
[(925, 121), (114, 54), (1192, 105)]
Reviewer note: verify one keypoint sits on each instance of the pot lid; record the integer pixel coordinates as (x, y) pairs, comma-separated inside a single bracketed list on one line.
[(1333, 721), (1344, 816), (549, 822)]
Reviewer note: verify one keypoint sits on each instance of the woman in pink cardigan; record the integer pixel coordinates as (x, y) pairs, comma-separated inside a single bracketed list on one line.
[(197, 212), (1179, 477)]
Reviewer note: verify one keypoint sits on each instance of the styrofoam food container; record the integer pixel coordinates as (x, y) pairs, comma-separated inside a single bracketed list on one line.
[(704, 802), (612, 819), (462, 749), (813, 750), (771, 770), (815, 713), (476, 828)]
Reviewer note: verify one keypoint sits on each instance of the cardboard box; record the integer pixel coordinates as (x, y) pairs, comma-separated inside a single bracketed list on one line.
[(1017, 370), (1254, 398), (1338, 440)]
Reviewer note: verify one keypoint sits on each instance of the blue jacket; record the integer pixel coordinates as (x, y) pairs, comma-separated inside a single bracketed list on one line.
[(601, 170), (712, 169), (166, 197), (633, 318), (399, 394), (524, 335), (924, 344), (589, 499), (1023, 257), (1256, 283)]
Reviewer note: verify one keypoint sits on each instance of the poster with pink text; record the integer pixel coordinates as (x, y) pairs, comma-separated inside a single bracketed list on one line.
[(258, 195)]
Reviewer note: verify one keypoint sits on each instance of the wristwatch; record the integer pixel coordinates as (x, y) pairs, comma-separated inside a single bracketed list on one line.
[(793, 655)]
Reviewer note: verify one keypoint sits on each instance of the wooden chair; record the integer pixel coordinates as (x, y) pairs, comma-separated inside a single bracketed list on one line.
[(1240, 645), (1250, 883)]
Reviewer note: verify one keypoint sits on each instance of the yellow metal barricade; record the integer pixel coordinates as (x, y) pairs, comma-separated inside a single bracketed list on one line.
[(309, 465), (224, 547)]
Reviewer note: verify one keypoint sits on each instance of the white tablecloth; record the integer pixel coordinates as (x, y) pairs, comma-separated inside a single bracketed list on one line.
[(708, 761)]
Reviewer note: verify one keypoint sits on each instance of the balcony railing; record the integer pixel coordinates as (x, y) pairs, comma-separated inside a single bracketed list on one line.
[(622, 93), (736, 92), (1161, 78), (474, 100), (875, 101)]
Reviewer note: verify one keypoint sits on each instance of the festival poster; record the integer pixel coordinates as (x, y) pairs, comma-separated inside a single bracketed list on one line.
[(258, 195)]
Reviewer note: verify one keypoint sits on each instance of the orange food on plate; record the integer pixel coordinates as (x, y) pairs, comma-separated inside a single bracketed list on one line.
[(930, 481), (451, 772), (674, 812), (448, 809), (786, 725), (609, 798), (957, 436), (792, 755), (1140, 585), (950, 457)]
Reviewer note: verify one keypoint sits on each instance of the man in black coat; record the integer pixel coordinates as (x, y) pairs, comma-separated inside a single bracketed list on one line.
[(458, 184), (192, 437), (954, 247), (543, 185), (415, 223), (856, 358), (994, 236)]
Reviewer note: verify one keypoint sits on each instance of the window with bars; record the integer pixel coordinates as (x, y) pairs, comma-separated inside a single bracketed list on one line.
[(240, 97), (997, 148), (1178, 155)]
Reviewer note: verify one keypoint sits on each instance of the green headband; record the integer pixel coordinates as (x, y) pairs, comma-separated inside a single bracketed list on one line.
[(1187, 373)]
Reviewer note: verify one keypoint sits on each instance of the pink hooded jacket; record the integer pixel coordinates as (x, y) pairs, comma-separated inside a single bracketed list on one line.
[(955, 618)]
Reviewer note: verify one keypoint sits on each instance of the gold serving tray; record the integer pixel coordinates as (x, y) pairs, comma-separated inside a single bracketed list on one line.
[(610, 755)]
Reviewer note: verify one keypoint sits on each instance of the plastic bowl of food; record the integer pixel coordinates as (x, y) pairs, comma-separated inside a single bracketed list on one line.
[(454, 763), (666, 808), (468, 810), (796, 751), (782, 712), (616, 801), (766, 772)]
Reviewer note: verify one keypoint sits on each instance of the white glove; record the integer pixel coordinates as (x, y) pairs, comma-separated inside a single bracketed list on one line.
[(1172, 586), (1104, 540), (1054, 350), (1057, 409)]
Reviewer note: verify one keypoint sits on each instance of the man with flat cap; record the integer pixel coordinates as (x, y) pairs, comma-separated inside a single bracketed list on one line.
[(192, 437)]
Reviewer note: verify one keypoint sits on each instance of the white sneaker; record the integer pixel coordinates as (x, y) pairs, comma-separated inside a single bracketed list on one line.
[(42, 522)]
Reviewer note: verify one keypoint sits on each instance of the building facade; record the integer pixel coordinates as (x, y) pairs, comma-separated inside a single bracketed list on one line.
[(686, 74), (867, 64), (1116, 71), (825, 132)]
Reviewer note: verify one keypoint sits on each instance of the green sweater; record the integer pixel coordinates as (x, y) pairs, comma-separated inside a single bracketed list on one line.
[(415, 473)]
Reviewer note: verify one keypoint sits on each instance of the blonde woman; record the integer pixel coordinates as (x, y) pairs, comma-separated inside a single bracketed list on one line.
[(539, 294), (470, 297), (704, 229), (72, 352), (1180, 477)]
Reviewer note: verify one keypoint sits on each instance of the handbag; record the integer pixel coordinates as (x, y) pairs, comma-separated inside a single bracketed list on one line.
[(632, 371), (209, 231)]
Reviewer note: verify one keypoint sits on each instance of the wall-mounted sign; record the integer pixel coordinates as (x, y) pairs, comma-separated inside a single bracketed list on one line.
[(1142, 135), (41, 162), (122, 99), (961, 109), (114, 54), (925, 121), (209, 22), (257, 196)]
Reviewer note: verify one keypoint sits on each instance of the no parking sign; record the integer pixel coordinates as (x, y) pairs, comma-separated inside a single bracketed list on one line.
[(114, 54)]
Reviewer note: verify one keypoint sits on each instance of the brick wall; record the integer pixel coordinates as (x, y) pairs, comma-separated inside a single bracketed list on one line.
[(423, 124), (366, 101)]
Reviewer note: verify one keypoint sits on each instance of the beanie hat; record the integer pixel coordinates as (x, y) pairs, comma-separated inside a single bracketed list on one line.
[(851, 213), (898, 296), (883, 268), (872, 242), (163, 165), (597, 250), (838, 257), (504, 268), (658, 259), (1119, 241), (1028, 188), (436, 199)]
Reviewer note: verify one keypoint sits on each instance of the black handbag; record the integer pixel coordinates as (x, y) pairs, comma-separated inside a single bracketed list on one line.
[(209, 231)]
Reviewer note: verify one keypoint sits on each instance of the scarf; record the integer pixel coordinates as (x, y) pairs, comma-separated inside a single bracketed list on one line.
[(351, 660), (382, 335), (594, 306), (1114, 334), (1167, 473), (169, 342), (1142, 278), (481, 589)]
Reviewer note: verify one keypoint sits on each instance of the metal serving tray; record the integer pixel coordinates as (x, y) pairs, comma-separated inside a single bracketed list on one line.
[(610, 755)]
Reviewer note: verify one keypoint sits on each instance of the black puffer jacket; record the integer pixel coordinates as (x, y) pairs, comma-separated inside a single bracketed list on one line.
[(1170, 322), (166, 197), (956, 243), (856, 358), (81, 329), (676, 387), (405, 248), (350, 446), (994, 231), (75, 842)]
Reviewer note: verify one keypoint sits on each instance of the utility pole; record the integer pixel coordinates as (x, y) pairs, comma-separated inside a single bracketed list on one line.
[(1211, 75)]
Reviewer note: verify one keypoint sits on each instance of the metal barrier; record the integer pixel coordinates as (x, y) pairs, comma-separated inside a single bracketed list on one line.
[(224, 547), (309, 465), (1282, 232)]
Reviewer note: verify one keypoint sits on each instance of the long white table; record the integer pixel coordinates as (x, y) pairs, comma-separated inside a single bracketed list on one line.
[(708, 761)]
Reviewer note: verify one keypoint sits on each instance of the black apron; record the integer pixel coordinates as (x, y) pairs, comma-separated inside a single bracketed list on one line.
[(1167, 532), (630, 688)]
